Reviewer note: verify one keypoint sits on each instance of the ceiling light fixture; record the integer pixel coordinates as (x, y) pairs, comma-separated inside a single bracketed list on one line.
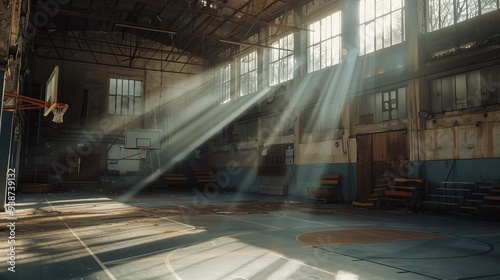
[(145, 28)]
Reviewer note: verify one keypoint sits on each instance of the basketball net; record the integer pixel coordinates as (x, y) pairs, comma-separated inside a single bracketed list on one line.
[(144, 151), (59, 111), (21, 102)]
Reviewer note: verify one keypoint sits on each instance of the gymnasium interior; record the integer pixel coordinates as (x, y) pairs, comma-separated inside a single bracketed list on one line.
[(250, 139)]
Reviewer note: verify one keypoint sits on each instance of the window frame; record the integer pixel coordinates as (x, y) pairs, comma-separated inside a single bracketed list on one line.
[(377, 24), (322, 40), (372, 106), (437, 18), (117, 94), (281, 60), (222, 84), (466, 90), (249, 73)]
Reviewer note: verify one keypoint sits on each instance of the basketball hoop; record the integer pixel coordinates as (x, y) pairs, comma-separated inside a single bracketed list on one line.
[(59, 111), (144, 151), (21, 102)]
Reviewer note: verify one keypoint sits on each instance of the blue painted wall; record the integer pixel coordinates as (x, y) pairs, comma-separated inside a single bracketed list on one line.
[(461, 170), (297, 178)]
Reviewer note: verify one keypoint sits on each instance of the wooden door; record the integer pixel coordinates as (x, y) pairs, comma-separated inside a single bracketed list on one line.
[(364, 167), (390, 155), (381, 156)]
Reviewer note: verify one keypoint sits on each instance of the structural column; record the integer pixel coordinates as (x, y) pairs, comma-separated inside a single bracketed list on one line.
[(6, 119)]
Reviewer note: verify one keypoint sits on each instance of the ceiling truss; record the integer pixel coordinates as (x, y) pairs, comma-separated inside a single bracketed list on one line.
[(173, 35)]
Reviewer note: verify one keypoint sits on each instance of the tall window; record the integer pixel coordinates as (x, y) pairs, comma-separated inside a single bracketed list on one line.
[(324, 42), (247, 130), (443, 13), (223, 84), (381, 24), (382, 106), (281, 61), (248, 78), (125, 97), (466, 90)]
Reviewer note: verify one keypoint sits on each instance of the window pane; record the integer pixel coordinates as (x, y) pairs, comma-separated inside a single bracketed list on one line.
[(369, 10), (473, 89), (488, 6), (124, 105), (125, 87), (448, 92), (433, 13), (281, 66), (461, 91), (253, 84), (387, 31), (111, 105), (119, 88), (397, 27), (290, 68), (397, 4), (386, 26), (473, 9), (118, 105), (336, 23), (112, 86), (316, 34), (379, 33), (131, 87), (244, 85), (394, 100), (446, 8), (138, 88), (461, 10), (370, 37)]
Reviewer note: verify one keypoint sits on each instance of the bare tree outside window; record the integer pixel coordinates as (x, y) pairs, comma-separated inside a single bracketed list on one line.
[(223, 84), (248, 73), (324, 46), (381, 24), (281, 60), (443, 13)]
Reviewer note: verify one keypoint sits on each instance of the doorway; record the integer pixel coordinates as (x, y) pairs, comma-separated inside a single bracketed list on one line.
[(380, 157)]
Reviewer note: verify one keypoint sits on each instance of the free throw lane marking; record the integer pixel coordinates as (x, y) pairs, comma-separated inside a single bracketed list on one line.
[(110, 275)]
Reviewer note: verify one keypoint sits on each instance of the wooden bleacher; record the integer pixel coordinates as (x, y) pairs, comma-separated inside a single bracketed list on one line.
[(454, 197), (203, 175), (328, 189), (170, 181), (490, 206), (402, 191)]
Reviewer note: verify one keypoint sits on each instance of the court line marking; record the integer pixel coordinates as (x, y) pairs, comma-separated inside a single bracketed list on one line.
[(251, 222), (301, 263), (177, 222), (101, 264), (170, 268)]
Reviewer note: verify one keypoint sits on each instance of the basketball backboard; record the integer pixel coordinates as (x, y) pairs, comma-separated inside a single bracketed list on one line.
[(51, 88), (135, 138)]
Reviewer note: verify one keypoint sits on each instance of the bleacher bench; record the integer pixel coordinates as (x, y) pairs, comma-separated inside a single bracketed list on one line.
[(170, 180), (405, 191), (328, 189), (491, 206)]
